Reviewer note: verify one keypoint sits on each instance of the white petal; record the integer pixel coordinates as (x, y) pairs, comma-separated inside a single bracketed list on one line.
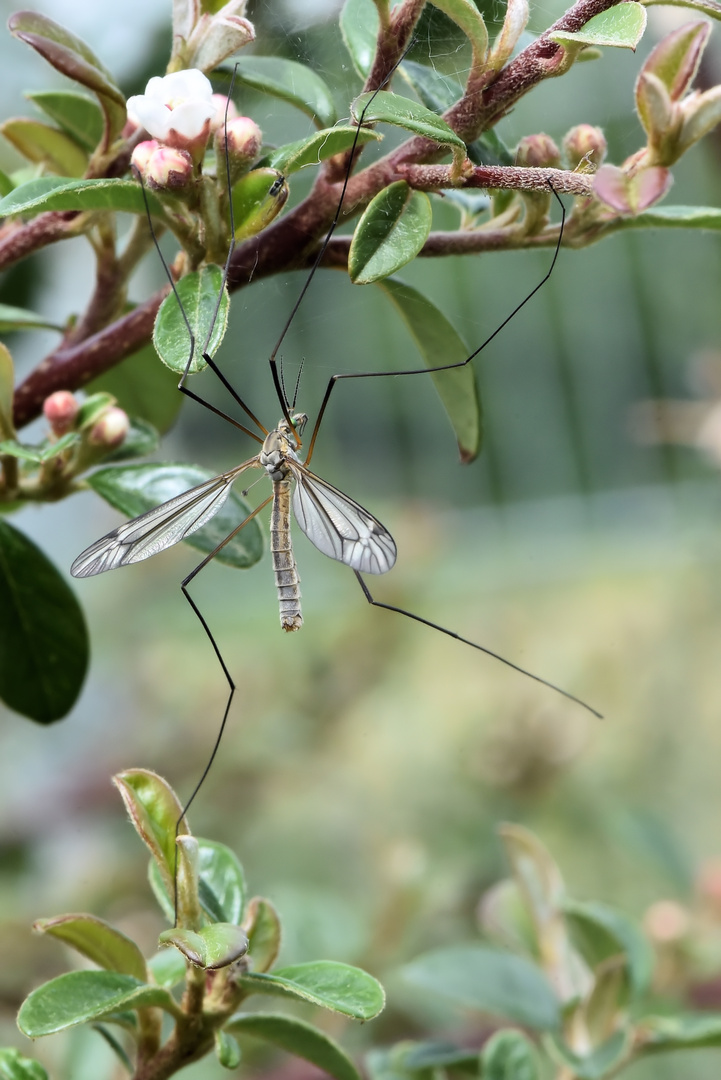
[(153, 116), (190, 118), (190, 84)]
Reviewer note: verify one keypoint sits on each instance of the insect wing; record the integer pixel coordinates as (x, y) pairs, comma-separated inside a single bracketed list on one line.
[(340, 527), (159, 528)]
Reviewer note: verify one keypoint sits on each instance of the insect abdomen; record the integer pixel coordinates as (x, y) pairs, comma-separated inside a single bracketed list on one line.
[(287, 579)]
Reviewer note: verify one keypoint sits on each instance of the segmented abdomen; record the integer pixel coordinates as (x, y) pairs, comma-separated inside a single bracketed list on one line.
[(284, 566)]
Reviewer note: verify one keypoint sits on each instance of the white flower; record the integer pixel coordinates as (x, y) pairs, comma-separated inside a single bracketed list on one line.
[(176, 109)]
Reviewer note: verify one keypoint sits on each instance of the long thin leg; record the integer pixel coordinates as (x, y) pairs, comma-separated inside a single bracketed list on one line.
[(216, 649), (443, 367), (474, 645)]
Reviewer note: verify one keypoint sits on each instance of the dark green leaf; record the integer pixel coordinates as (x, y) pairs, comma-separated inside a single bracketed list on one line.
[(291, 82), (331, 985), (6, 184), (71, 56), (599, 1063), (509, 1055), (490, 981), (98, 941), (393, 109), (133, 489), (142, 439), (39, 454), (683, 1031), (56, 193), (143, 388), (258, 197), (227, 1050), (46, 146), (319, 146), (13, 1066), (211, 947), (80, 996), (14, 318), (76, 114), (199, 294), (43, 636), (392, 230), (359, 27), (297, 1038), (264, 931), (600, 932), (440, 344)]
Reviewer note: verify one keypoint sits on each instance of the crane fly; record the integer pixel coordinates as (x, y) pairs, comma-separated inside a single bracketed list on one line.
[(337, 525)]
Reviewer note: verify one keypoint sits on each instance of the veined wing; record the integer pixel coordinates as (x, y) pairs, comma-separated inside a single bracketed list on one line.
[(159, 528), (338, 526)]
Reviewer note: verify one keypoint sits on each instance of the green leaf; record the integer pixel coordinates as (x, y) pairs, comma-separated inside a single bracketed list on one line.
[(297, 1038), (56, 193), (133, 489), (359, 28), (708, 7), (145, 389), (622, 26), (39, 454), (80, 996), (331, 985), (490, 981), (78, 115), (222, 881), (211, 947), (6, 184), (601, 1062), (199, 292), (509, 1055), (43, 636), (674, 217), (319, 146), (440, 344), (142, 439), (465, 14), (684, 1031), (599, 932), (13, 1066), (15, 318), (167, 966), (98, 941), (71, 56), (92, 409), (291, 82), (7, 387), (155, 812), (392, 230), (227, 1050), (419, 1057), (393, 109), (46, 146), (262, 925), (258, 198)]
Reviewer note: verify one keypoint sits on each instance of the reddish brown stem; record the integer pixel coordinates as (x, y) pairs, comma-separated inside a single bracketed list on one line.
[(435, 177), (17, 239)]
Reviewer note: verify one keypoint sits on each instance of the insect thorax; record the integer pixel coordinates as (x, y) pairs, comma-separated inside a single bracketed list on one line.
[(280, 445)]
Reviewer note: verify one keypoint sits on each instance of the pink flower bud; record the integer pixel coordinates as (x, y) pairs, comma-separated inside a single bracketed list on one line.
[(538, 152), (142, 154), (111, 429), (169, 168), (666, 922), (242, 144), (584, 143), (60, 410), (222, 103)]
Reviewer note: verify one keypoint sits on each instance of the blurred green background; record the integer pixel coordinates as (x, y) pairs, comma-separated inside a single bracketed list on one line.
[(368, 760)]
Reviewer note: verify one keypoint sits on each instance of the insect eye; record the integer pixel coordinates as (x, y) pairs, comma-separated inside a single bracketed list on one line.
[(299, 422)]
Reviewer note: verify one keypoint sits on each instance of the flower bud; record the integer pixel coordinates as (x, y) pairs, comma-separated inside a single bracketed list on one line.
[(631, 192), (241, 141), (176, 110), (223, 107), (538, 152), (142, 154), (111, 429), (169, 168), (666, 922), (584, 142), (60, 410), (218, 36)]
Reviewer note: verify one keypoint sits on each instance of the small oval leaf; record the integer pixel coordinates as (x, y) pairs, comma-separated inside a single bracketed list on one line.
[(387, 108), (14, 318), (13, 1066), (208, 317), (291, 82), (227, 1050), (439, 344), (155, 812), (321, 145), (98, 941), (47, 146), (7, 389), (622, 26), (80, 996), (133, 489), (43, 637), (392, 230), (262, 924), (331, 985), (297, 1038), (258, 198), (509, 1055), (211, 947), (359, 27), (76, 114), (57, 193)]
